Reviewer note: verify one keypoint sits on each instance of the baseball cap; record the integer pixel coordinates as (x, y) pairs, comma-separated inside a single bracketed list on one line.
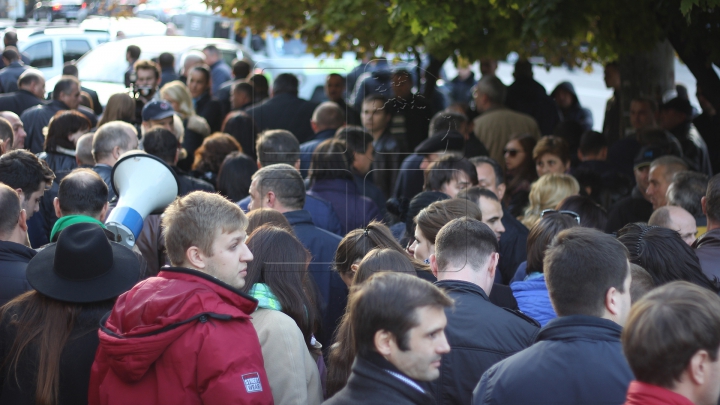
[(678, 104), (157, 110)]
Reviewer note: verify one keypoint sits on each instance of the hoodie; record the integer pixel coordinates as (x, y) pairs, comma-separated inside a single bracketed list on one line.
[(182, 337), (575, 112)]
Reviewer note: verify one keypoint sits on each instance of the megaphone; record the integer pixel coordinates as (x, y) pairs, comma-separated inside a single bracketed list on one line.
[(144, 185)]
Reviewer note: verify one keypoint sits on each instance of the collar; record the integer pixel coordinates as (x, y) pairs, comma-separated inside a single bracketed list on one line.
[(325, 134), (15, 250), (15, 64), (710, 239), (377, 360), (244, 302), (65, 151), (299, 217), (58, 105), (642, 393), (462, 286), (580, 326)]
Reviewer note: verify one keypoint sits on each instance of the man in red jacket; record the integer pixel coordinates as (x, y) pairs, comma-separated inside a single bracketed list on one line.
[(672, 341), (185, 337)]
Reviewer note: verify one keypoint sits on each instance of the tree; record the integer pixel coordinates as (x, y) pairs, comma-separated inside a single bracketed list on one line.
[(562, 31)]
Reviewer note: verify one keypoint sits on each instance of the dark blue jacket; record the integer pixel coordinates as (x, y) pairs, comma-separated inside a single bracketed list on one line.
[(352, 208), (333, 291), (14, 258), (576, 360), (513, 248), (322, 213), (480, 334), (285, 111), (220, 73), (410, 178), (19, 101), (307, 149), (9, 76)]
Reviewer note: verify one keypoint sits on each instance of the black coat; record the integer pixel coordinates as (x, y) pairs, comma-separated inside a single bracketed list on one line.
[(389, 155), (480, 334), (210, 109), (285, 111), (35, 119), (322, 246), (576, 360), (527, 96), (371, 383), (75, 361), (14, 258), (513, 248), (19, 101), (410, 178), (631, 209), (105, 171)]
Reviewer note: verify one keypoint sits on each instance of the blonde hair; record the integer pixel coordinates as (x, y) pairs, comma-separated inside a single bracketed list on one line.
[(179, 93), (546, 193), (196, 220)]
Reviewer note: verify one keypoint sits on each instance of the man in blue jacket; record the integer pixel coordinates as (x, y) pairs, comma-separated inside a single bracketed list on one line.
[(577, 358), (280, 187), (14, 254), (480, 333)]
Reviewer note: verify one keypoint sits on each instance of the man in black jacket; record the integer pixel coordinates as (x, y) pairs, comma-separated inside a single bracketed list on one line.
[(285, 110), (480, 334), (31, 92), (14, 254), (398, 323), (577, 358)]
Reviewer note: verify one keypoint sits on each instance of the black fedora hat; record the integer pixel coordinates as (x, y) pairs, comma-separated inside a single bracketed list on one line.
[(83, 266)]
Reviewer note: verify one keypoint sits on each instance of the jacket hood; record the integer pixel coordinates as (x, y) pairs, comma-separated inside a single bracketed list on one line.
[(157, 311), (567, 86)]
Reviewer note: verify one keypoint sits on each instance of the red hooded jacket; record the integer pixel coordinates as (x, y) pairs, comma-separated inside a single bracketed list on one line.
[(180, 338), (640, 393)]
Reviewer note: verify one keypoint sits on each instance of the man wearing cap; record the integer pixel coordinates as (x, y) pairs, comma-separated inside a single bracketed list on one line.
[(637, 206), (185, 336), (14, 254), (676, 117)]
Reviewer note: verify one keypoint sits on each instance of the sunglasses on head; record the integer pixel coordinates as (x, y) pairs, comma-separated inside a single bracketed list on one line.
[(511, 152), (562, 212)]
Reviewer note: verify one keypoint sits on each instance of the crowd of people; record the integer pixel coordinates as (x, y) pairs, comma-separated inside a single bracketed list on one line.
[(387, 247)]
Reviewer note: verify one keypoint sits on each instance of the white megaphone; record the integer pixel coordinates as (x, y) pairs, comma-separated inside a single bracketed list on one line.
[(144, 185)]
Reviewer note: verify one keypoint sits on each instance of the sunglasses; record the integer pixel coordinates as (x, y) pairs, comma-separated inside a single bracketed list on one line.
[(511, 152), (562, 212)]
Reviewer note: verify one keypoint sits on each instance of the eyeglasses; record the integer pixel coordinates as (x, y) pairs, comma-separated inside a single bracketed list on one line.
[(511, 152), (562, 212)]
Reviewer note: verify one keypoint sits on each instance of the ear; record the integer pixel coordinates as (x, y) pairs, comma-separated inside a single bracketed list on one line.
[(314, 126), (56, 205), (116, 152), (21, 195), (354, 268), (384, 342), (492, 266), (22, 221), (297, 165), (269, 200), (434, 266), (195, 258), (501, 191), (703, 202), (611, 301), (103, 212), (699, 368)]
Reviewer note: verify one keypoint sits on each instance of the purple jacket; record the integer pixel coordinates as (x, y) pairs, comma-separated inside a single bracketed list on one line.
[(352, 208)]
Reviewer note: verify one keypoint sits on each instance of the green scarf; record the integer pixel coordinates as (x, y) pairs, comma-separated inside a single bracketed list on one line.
[(266, 299), (66, 221)]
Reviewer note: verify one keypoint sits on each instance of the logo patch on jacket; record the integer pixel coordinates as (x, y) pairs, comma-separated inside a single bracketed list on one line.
[(252, 382)]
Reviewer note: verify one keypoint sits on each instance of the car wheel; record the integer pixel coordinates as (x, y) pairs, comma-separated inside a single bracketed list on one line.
[(49, 17)]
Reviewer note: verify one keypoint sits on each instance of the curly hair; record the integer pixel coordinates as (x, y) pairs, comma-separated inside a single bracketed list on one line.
[(211, 154)]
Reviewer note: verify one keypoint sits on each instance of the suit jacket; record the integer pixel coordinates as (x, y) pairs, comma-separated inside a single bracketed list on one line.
[(19, 101), (495, 127), (9, 77), (285, 111), (210, 109)]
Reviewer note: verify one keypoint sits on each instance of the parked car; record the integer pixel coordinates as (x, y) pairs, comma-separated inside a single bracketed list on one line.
[(103, 68), (52, 10), (48, 49), (127, 26)]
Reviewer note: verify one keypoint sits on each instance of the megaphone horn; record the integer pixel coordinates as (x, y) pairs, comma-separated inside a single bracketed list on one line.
[(144, 185)]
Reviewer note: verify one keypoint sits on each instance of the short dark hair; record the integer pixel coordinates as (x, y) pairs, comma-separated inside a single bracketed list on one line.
[(10, 208), (667, 327), (161, 143), (383, 259), (712, 198), (474, 193), (553, 145), (283, 180), (663, 253), (241, 69), (541, 236), (445, 121), (11, 54), (592, 215), (433, 217), (134, 51), (581, 265), (356, 138), (22, 170), (30, 76), (330, 160), (277, 146), (687, 190), (166, 60), (388, 301), (497, 169), (64, 85), (11, 37), (82, 192), (212, 49), (235, 176), (592, 142), (446, 169), (464, 241), (70, 69), (378, 97), (204, 70), (641, 284), (6, 132), (286, 83), (243, 86), (148, 65)]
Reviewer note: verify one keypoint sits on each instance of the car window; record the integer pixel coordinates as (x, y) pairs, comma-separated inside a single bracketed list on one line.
[(73, 49), (40, 54)]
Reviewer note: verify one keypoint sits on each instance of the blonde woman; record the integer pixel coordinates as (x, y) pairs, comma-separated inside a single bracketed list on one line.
[(546, 193), (195, 127)]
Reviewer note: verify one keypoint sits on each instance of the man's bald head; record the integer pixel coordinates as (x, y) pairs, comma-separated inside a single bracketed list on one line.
[(32, 80), (328, 115), (18, 129), (677, 219), (83, 151)]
